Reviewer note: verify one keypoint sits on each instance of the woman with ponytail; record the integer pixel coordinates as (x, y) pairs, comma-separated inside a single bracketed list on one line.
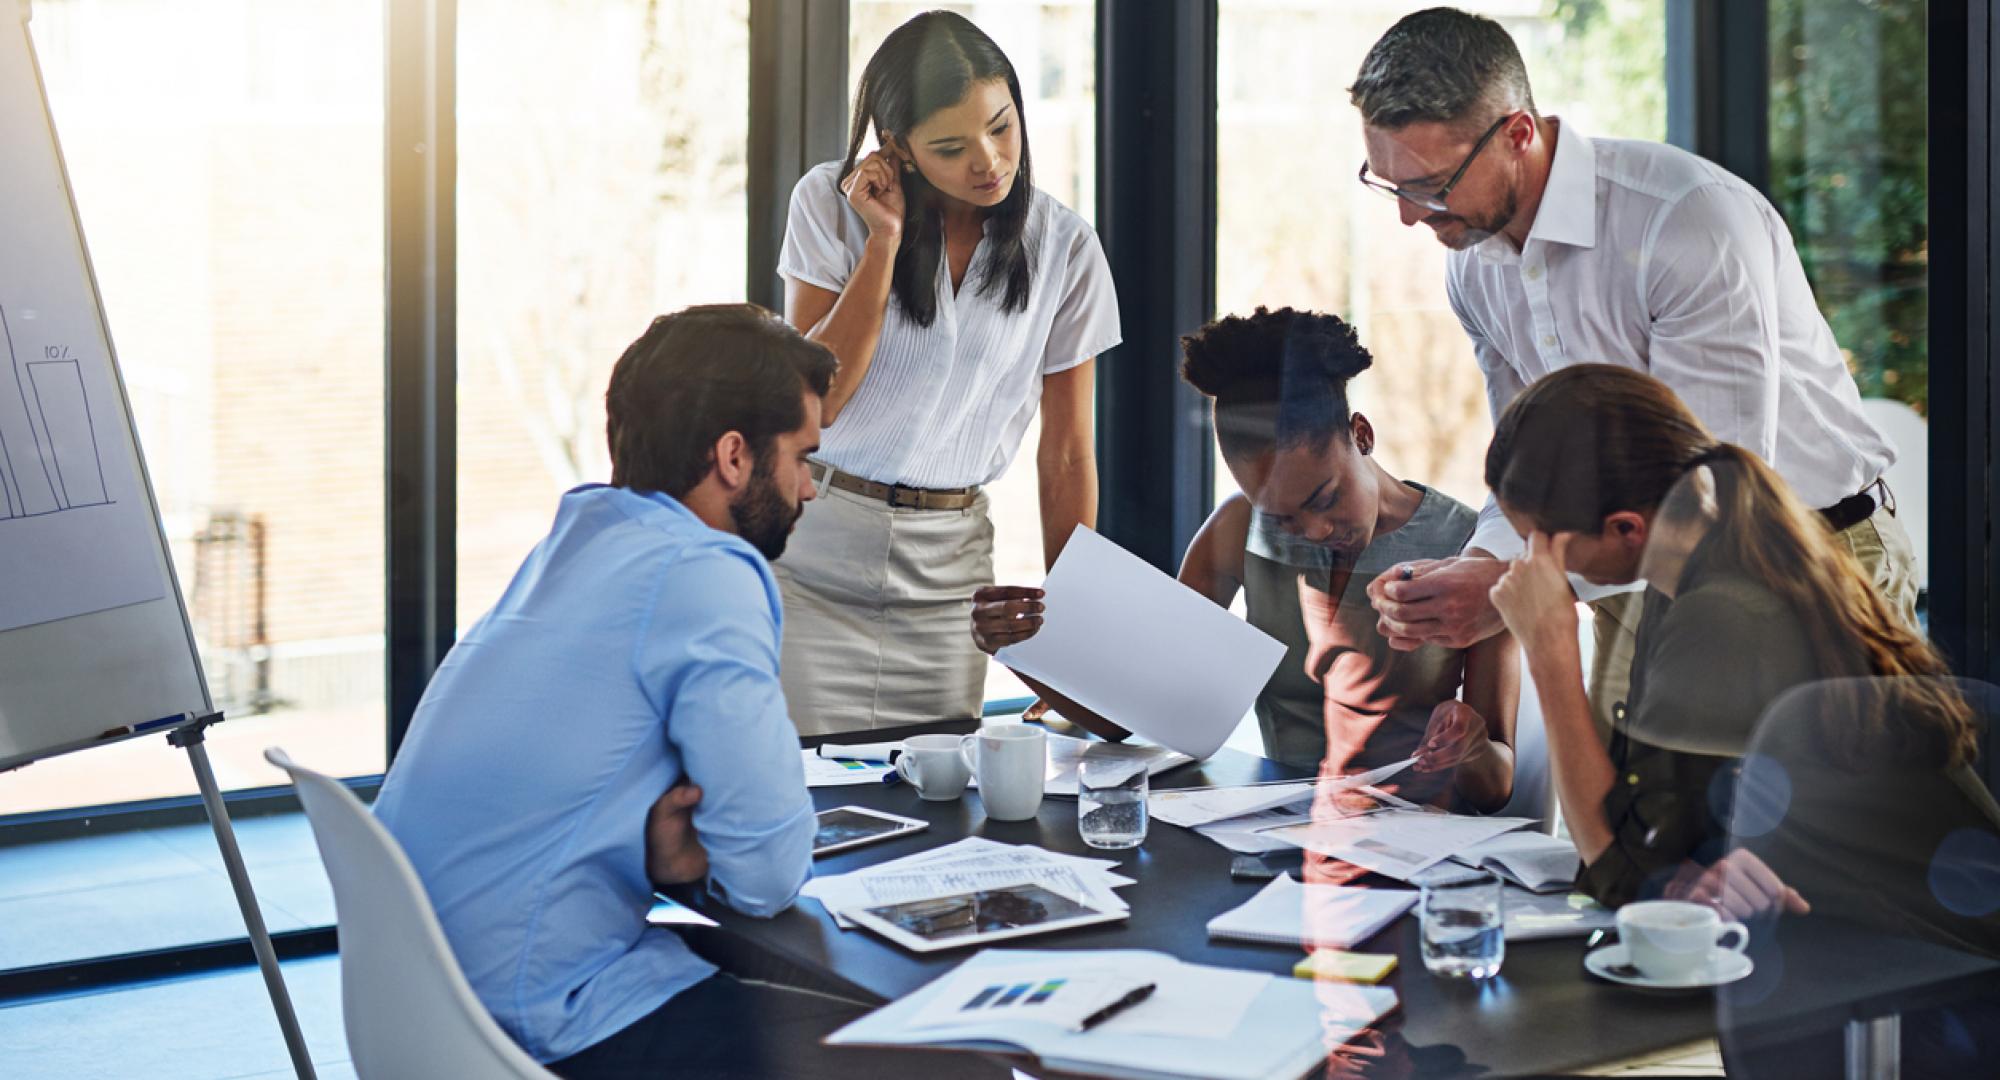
[(959, 298), (1318, 512), (1750, 596)]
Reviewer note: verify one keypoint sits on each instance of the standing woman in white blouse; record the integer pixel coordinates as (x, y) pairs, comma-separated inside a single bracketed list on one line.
[(959, 300)]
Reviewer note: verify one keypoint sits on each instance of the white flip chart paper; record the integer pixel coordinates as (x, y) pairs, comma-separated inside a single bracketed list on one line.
[(1144, 651)]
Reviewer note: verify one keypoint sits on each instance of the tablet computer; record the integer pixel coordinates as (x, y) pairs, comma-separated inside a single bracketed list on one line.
[(852, 826), (980, 916)]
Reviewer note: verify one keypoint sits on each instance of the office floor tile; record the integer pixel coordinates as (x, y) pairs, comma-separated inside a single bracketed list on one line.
[(59, 866), (161, 888), (207, 1027)]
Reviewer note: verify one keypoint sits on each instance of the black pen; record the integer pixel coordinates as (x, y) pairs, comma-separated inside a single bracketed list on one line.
[(1119, 1006)]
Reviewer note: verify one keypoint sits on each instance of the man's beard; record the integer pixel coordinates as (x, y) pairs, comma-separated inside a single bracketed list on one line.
[(762, 516), (1478, 232)]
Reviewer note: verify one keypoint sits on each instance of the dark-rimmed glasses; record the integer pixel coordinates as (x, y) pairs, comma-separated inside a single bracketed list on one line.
[(1433, 201)]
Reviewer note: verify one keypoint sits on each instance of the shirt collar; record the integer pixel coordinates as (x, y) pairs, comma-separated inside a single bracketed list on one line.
[(1568, 211), (1568, 214)]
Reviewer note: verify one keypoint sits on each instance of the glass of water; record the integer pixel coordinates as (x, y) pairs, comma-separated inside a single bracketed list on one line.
[(1111, 798), (1463, 927)]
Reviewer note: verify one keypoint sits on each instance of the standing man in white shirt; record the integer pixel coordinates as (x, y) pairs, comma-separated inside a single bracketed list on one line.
[(1569, 250)]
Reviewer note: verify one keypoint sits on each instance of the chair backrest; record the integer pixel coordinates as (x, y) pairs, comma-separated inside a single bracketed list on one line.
[(409, 1010)]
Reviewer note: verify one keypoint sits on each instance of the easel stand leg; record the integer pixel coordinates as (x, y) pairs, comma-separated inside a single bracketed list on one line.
[(190, 739)]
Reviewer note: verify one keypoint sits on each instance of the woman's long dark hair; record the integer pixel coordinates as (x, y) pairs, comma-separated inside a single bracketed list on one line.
[(927, 64), (1596, 439)]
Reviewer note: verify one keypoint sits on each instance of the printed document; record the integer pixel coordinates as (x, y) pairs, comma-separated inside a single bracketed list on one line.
[(1397, 843), (1144, 651)]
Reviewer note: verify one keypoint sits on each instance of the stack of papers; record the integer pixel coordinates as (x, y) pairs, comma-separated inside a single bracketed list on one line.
[(1397, 843), (1240, 818), (1197, 1022), (973, 891), (1312, 916), (1142, 650)]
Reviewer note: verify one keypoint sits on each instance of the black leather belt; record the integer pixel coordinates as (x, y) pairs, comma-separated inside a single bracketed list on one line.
[(896, 495), (1854, 509)]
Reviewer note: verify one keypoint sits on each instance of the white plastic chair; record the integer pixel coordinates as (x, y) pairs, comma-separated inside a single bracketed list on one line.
[(409, 1011)]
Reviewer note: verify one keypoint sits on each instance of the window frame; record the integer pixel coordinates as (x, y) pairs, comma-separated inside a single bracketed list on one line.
[(1160, 241)]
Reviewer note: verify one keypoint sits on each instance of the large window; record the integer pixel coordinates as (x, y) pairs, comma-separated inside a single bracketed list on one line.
[(1294, 228), (600, 183), (1849, 172), (226, 158), (1053, 46)]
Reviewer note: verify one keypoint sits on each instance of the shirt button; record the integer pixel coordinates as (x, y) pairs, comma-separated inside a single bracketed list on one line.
[(1632, 779), (1549, 340), (1534, 273)]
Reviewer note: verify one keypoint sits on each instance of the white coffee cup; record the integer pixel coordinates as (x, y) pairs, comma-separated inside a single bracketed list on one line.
[(1010, 760), (933, 765), (1676, 941)]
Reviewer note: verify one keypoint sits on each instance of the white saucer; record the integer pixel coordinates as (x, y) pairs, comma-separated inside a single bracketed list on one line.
[(1725, 966)]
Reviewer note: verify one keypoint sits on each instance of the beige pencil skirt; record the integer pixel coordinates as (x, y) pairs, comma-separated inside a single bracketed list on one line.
[(878, 613)]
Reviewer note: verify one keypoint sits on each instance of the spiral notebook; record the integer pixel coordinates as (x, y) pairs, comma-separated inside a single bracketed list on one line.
[(1335, 916)]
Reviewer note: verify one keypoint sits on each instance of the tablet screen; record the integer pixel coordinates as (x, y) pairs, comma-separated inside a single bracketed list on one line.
[(844, 828)]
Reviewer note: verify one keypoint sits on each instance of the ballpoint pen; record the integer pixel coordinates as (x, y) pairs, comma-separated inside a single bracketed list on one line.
[(1116, 1007)]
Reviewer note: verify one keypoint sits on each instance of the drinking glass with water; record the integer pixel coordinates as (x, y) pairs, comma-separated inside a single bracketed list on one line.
[(1463, 927), (1111, 798)]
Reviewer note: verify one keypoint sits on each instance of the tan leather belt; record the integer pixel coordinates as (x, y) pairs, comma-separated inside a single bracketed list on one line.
[(896, 495)]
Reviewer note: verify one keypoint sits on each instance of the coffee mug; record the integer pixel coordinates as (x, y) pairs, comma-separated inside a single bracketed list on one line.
[(1673, 940), (933, 765), (1010, 760)]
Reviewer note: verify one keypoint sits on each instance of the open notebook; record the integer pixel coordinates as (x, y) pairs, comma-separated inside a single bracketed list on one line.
[(1197, 1022)]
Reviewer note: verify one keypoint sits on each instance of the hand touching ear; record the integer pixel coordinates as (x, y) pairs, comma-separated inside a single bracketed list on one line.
[(875, 190)]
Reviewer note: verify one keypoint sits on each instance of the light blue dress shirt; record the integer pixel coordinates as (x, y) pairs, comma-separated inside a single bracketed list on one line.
[(636, 647)]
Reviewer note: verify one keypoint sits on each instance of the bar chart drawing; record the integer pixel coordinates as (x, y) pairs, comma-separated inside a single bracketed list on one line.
[(50, 460)]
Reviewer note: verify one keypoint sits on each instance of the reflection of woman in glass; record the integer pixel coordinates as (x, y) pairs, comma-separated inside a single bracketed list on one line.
[(1612, 478), (959, 298), (1319, 511)]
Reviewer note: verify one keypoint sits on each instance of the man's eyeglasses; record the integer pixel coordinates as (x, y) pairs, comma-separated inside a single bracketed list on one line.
[(1433, 201)]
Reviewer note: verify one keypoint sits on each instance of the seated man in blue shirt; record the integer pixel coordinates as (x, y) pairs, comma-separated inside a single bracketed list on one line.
[(615, 723)]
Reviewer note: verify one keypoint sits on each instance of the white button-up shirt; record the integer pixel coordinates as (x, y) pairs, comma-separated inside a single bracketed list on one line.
[(946, 406), (1648, 256)]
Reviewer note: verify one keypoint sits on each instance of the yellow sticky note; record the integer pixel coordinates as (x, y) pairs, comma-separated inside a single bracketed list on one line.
[(1345, 966)]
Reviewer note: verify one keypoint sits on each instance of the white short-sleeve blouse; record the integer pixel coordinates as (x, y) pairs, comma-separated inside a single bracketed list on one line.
[(945, 406)]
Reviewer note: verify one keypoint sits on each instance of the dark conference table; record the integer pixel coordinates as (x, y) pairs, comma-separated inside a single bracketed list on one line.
[(1542, 1014)]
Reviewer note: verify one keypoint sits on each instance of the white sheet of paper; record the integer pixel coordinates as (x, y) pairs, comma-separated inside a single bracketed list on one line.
[(1144, 651), (1398, 843), (1206, 1008), (829, 772), (1373, 776), (1195, 807), (1247, 835), (1044, 993)]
